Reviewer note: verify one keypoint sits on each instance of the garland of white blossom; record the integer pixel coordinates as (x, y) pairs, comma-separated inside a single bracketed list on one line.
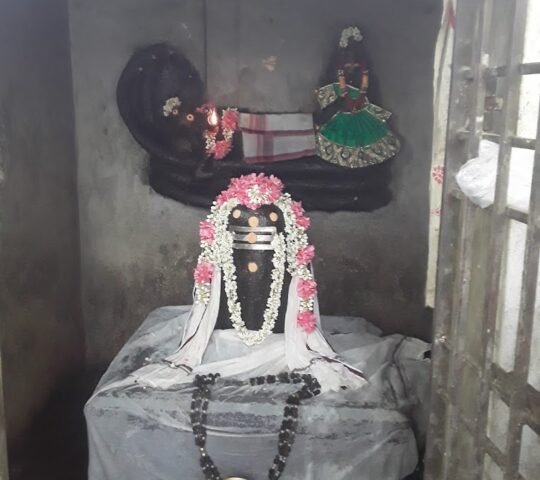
[(296, 240), (219, 253), (348, 33), (251, 337)]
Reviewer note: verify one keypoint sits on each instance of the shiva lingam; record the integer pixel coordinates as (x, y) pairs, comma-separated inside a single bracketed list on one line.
[(256, 254), (254, 232), (254, 286)]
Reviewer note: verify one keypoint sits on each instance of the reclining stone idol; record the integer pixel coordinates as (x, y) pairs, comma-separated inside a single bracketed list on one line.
[(194, 150), (244, 384)]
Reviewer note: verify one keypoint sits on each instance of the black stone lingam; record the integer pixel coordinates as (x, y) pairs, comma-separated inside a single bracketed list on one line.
[(254, 268)]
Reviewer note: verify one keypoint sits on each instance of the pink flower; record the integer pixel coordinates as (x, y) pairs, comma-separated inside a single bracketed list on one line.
[(297, 208), (307, 321), (254, 190), (274, 187), (438, 174), (206, 231), (299, 214), (303, 222), (223, 197), (238, 188), (203, 272), (229, 120), (221, 149), (305, 255), (307, 288)]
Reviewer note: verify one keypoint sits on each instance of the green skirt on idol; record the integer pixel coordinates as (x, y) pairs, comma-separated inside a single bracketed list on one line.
[(355, 139)]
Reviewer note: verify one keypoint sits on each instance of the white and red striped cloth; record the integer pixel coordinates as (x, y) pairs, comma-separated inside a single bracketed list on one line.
[(271, 137)]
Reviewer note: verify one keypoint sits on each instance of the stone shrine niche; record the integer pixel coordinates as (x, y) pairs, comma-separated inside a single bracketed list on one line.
[(337, 158)]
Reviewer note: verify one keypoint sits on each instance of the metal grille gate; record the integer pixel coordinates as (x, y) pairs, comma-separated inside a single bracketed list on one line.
[(485, 414)]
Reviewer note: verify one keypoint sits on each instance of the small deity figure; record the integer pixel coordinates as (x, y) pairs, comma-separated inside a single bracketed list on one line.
[(352, 131)]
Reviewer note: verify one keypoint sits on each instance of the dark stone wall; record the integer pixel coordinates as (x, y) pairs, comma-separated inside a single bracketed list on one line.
[(138, 249), (41, 325)]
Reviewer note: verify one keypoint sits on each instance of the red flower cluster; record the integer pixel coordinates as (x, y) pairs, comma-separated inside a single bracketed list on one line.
[(252, 190), (305, 255), (203, 272), (307, 288), (299, 215), (229, 120), (307, 321), (221, 149), (206, 231), (438, 174), (223, 128)]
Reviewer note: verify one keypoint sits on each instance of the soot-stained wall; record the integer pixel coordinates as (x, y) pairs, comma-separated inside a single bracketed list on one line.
[(41, 325), (138, 249)]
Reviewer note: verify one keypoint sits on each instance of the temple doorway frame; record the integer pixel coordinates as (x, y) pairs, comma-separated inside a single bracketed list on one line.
[(485, 414)]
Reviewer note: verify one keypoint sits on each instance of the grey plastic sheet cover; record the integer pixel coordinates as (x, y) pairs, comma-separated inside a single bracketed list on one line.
[(373, 433)]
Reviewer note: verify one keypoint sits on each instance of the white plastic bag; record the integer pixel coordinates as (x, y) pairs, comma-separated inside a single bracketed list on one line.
[(477, 177)]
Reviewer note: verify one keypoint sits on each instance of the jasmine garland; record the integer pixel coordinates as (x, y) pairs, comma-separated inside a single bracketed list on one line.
[(291, 249)]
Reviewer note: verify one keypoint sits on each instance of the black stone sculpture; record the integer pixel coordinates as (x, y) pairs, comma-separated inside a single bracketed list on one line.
[(253, 270), (178, 166)]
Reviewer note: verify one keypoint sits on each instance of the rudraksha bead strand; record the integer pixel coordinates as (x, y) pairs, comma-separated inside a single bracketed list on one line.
[(287, 432)]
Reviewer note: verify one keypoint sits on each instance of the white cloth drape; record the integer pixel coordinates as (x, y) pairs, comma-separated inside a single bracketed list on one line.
[(272, 137), (293, 350)]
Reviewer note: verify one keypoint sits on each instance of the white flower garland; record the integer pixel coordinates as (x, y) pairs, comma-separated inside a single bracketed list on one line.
[(250, 337), (347, 33), (171, 106), (219, 253)]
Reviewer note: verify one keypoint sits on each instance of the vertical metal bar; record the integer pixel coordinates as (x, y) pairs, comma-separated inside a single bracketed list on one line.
[(455, 224), (456, 363), (479, 66), (515, 12), (463, 275), (518, 400)]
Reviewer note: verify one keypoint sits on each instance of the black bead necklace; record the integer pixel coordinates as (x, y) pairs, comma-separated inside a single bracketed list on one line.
[(287, 432)]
